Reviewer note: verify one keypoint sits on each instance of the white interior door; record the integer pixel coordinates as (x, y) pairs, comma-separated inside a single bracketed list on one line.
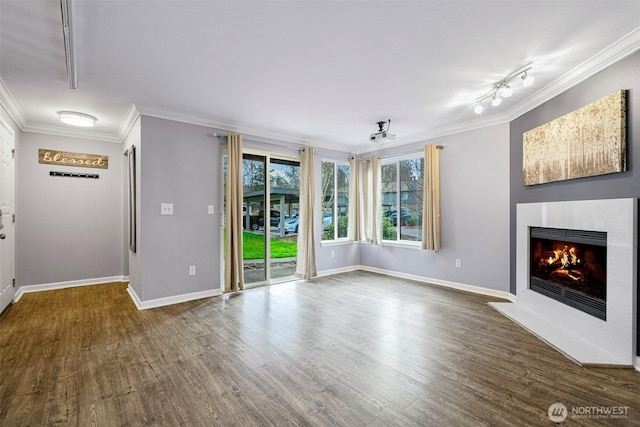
[(6, 216)]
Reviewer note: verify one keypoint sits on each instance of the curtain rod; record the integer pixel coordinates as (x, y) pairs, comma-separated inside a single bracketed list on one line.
[(404, 154)]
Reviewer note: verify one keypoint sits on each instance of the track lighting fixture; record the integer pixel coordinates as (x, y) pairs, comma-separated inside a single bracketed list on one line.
[(502, 89)]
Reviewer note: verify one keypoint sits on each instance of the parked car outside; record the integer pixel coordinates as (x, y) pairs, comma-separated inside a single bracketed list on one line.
[(393, 216), (291, 224), (274, 218)]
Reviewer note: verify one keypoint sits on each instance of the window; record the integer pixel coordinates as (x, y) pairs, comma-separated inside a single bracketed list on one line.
[(402, 182), (335, 200)]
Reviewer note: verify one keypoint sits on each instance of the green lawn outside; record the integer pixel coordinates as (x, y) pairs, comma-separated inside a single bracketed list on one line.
[(253, 247)]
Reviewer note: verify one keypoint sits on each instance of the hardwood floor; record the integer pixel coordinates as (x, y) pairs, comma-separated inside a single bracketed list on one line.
[(349, 350)]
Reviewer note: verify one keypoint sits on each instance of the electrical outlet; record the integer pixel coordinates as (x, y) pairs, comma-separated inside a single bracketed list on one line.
[(333, 254), (458, 263), (166, 208), (192, 270), (211, 210)]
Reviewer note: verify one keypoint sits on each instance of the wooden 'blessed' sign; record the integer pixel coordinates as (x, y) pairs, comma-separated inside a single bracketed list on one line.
[(63, 158)]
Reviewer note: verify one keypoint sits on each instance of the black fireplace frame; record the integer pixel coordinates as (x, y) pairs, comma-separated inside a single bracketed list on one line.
[(579, 300)]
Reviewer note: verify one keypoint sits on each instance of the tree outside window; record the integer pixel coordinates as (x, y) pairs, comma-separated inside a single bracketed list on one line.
[(335, 200), (402, 204)]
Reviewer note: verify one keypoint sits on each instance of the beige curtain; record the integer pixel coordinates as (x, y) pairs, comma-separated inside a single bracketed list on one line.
[(353, 231), (431, 199), (371, 204), (306, 261), (233, 273)]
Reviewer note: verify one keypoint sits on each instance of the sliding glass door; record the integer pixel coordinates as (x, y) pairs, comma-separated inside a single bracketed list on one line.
[(284, 193), (270, 209), (254, 200)]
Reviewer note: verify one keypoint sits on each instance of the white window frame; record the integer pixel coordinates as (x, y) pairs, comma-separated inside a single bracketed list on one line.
[(396, 160), (334, 212)]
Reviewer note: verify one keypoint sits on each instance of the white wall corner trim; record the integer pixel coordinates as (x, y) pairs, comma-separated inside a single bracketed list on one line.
[(438, 282), (177, 299), (124, 279), (61, 285)]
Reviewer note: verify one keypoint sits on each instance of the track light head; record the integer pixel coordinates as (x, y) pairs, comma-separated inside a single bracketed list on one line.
[(496, 100), (527, 80), (479, 108)]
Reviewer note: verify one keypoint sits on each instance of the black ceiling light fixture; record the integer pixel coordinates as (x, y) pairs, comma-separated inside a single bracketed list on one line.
[(383, 134)]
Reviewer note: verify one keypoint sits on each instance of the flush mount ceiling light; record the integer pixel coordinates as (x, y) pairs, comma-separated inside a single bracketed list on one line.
[(502, 89), (74, 118)]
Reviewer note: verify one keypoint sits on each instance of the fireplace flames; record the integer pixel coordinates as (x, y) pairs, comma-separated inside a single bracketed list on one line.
[(578, 266)]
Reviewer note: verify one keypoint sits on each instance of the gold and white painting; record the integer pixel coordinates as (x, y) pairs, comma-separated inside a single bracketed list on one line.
[(589, 141)]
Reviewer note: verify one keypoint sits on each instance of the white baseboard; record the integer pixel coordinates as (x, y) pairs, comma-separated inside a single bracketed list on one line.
[(637, 364), (338, 270), (125, 279), (161, 302), (61, 285), (439, 282)]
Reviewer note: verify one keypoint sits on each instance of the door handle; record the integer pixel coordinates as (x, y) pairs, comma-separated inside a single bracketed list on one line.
[(3, 236)]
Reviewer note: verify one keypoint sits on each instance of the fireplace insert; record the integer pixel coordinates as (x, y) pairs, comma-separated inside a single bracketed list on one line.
[(570, 266)]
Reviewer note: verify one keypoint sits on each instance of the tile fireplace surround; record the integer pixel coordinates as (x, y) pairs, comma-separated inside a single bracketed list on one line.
[(584, 338)]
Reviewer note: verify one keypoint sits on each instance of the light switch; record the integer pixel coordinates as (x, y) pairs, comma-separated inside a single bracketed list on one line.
[(166, 208), (211, 210)]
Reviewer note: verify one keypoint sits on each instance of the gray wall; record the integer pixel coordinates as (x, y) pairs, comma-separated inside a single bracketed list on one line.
[(622, 75), (474, 214), (180, 164), (68, 228)]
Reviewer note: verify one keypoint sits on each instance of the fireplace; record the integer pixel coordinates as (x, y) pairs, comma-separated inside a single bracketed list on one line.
[(585, 338), (570, 266)]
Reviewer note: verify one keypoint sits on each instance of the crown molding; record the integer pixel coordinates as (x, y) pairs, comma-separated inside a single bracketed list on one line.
[(71, 133), (9, 103), (496, 119), (128, 122), (617, 51), (254, 133)]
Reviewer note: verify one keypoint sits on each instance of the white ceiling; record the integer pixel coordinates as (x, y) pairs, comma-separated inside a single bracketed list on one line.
[(323, 72)]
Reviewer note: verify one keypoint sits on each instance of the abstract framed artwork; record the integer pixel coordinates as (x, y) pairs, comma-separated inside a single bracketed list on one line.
[(589, 141)]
